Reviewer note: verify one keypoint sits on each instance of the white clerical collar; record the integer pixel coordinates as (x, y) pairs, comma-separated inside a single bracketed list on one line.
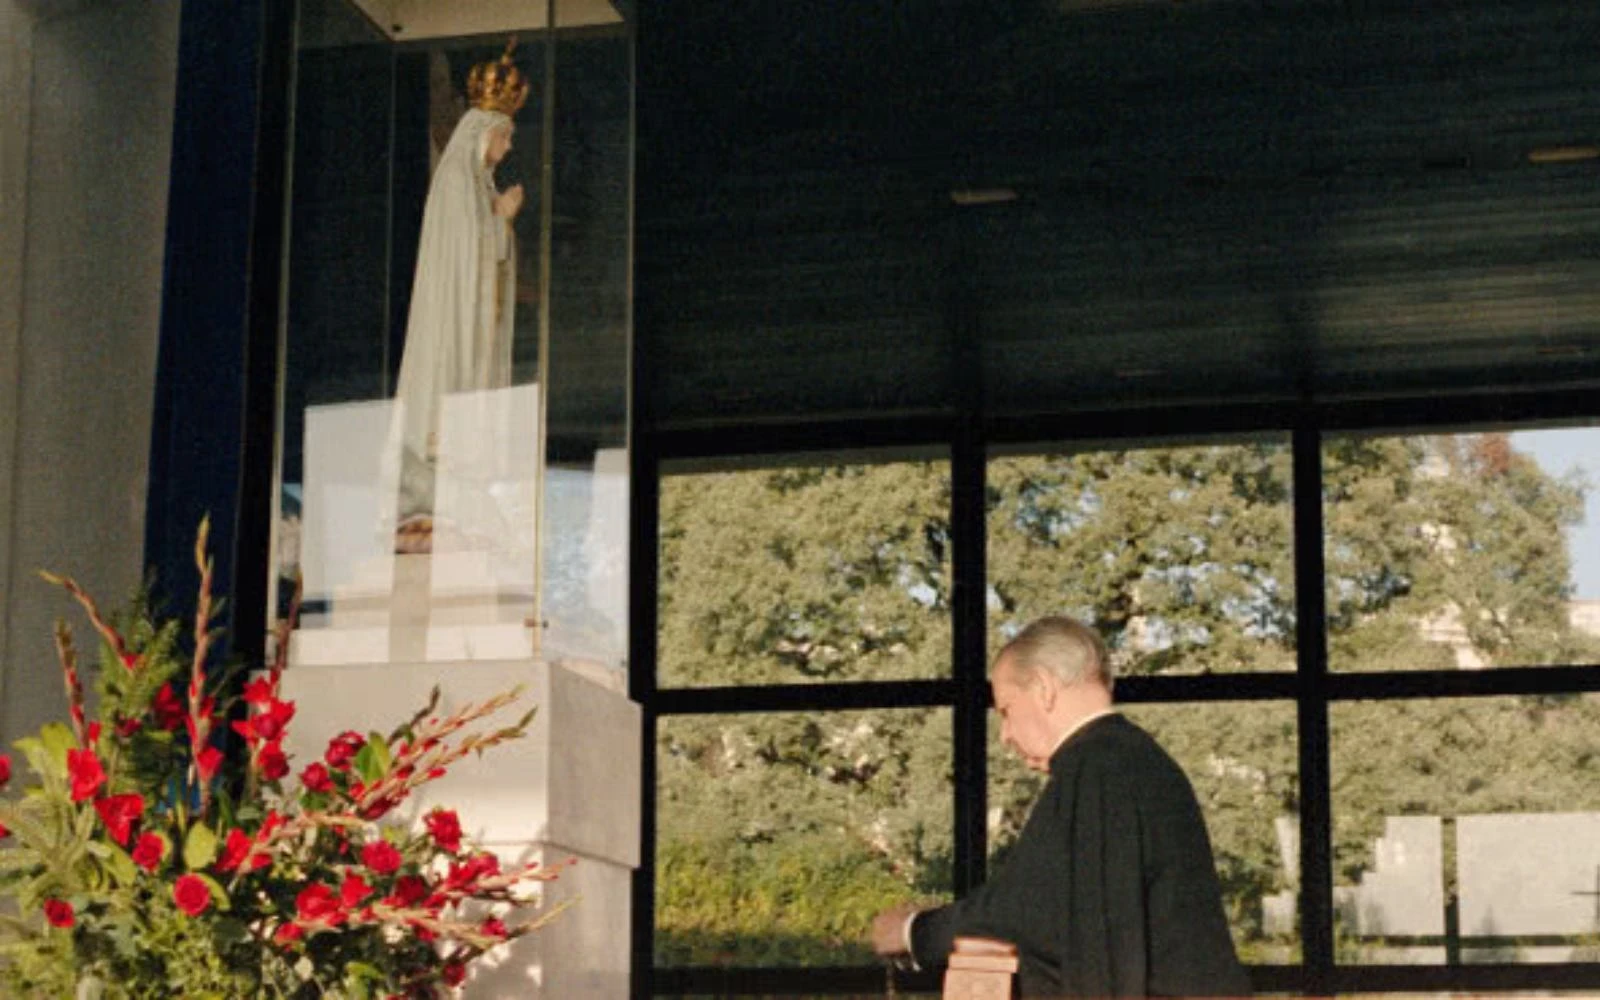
[(1076, 726)]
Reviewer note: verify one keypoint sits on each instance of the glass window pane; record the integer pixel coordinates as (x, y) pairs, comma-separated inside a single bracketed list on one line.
[(781, 835), (1182, 557), (817, 571), (1242, 760), (1466, 830), (1460, 551)]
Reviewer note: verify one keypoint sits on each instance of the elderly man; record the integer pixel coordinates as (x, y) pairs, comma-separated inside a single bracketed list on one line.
[(1111, 889)]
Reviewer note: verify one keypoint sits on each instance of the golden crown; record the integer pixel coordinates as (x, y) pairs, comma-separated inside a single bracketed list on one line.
[(498, 85)]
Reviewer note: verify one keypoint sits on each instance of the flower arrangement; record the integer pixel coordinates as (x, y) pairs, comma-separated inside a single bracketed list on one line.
[(141, 866)]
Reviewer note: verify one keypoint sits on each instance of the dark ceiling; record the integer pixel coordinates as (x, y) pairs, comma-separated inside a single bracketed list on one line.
[(1214, 201)]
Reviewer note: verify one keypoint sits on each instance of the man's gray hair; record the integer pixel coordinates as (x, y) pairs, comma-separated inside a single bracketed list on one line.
[(1065, 647)]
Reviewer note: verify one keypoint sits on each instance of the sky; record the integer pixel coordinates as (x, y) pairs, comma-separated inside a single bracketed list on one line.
[(1559, 452)]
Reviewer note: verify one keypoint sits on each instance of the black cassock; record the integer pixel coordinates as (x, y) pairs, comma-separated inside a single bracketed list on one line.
[(1111, 889)]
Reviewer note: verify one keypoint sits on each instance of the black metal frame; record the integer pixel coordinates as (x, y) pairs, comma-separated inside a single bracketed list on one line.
[(1312, 687)]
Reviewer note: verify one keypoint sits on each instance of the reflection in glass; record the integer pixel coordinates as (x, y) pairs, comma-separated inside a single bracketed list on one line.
[(1242, 761), (1181, 557), (453, 453), (781, 835), (1466, 830), (805, 574), (1455, 551)]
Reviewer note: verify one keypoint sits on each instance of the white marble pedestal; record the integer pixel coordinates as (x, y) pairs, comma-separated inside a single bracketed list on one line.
[(569, 789)]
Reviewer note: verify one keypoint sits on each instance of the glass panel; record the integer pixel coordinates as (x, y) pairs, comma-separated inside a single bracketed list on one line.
[(1466, 830), (1461, 551), (453, 473), (781, 835), (1242, 759), (815, 571), (585, 565), (1182, 557)]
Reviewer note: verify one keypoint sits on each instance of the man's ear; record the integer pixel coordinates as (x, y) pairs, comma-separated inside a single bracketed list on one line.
[(1046, 688)]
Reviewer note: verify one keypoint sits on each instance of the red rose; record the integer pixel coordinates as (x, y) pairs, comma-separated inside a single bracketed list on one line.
[(169, 711), (493, 927), (382, 857), (5, 769), (408, 890), (86, 773), (274, 765), (149, 851), (445, 828), (58, 912), (353, 891), (191, 895), (317, 904), (316, 779), (342, 749), (454, 973), (234, 848), (287, 933), (119, 813)]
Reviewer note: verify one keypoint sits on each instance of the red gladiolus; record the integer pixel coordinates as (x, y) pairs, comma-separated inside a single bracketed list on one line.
[(58, 912), (169, 711), (191, 895), (86, 773), (130, 661), (234, 848), (127, 727), (353, 891), (207, 762), (493, 927), (445, 829), (382, 857), (119, 813), (454, 973), (274, 765), (270, 724), (316, 779), (342, 749), (259, 692), (148, 852), (317, 904)]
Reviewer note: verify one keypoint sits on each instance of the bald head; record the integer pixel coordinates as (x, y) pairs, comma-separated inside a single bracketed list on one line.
[(1064, 648)]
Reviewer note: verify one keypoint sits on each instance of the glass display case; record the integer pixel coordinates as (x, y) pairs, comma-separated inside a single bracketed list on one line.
[(452, 459)]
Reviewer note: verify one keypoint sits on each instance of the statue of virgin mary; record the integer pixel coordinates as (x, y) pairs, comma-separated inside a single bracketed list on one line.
[(460, 328)]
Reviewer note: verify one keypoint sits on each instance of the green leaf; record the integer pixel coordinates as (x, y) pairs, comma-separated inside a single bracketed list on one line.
[(218, 893), (115, 861), (58, 739), (199, 847), (374, 759)]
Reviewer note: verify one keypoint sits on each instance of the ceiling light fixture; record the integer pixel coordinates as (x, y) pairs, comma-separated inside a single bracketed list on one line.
[(983, 196), (1563, 154)]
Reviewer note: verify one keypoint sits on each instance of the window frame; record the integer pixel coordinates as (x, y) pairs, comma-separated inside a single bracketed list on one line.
[(1312, 687)]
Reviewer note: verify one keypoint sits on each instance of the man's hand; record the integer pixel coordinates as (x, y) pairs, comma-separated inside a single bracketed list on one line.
[(889, 930)]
